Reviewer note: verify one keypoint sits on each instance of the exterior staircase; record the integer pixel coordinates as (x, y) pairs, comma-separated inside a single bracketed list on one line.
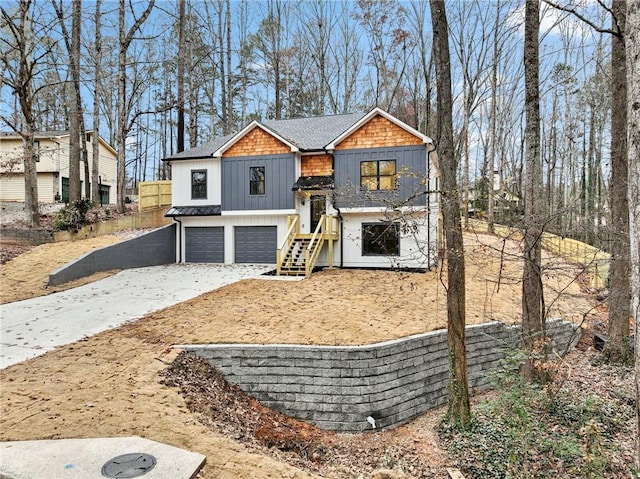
[(293, 262), (298, 253)]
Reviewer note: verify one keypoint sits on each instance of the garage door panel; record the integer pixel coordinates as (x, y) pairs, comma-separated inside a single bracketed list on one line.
[(204, 244), (256, 244)]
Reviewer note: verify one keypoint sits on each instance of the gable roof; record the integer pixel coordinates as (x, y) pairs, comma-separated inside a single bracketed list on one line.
[(317, 133), (52, 135)]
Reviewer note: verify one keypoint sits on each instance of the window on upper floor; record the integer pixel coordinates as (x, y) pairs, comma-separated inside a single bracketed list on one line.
[(198, 184), (380, 239), (378, 175), (36, 150), (256, 180)]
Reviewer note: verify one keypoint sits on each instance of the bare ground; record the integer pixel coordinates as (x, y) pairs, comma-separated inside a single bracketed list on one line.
[(111, 384)]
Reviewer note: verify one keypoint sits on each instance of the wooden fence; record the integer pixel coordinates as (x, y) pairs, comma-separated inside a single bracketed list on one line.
[(596, 261), (153, 194)]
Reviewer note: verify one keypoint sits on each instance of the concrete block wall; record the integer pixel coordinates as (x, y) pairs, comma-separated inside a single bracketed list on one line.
[(337, 387), (151, 249), (25, 236)]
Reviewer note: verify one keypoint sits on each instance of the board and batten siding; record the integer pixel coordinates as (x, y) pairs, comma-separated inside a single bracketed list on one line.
[(410, 183), (279, 178), (181, 181)]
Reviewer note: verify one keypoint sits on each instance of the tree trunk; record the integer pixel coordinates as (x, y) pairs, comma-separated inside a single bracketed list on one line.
[(180, 74), (632, 33), (75, 154), (532, 295), (24, 90), (97, 78), (617, 347), (124, 40), (458, 412)]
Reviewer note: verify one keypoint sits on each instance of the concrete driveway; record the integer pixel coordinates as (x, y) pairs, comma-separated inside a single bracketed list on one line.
[(35, 326)]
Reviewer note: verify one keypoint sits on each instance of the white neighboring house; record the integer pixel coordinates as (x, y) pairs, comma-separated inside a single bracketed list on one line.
[(300, 193), (52, 166)]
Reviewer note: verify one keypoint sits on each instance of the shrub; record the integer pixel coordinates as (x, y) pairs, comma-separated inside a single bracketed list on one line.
[(526, 430), (73, 216)]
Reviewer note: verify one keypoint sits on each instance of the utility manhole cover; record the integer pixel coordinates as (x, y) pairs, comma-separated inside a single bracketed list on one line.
[(129, 465)]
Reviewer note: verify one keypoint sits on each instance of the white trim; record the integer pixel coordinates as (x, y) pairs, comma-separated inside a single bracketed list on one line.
[(247, 129), (259, 212), (365, 119)]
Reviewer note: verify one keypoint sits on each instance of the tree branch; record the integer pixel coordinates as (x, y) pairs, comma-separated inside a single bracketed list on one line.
[(581, 17)]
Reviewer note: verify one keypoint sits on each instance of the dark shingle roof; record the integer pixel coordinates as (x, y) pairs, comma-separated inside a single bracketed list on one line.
[(313, 133), (203, 151), (208, 210), (308, 134)]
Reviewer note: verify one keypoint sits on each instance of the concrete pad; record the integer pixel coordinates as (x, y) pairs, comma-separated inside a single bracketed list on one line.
[(35, 326), (84, 458)]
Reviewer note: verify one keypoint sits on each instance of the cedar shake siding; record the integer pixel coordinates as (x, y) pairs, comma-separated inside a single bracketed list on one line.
[(316, 165), (257, 142), (378, 132)]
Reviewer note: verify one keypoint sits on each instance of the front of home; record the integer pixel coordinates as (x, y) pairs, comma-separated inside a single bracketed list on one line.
[(345, 190), (52, 166)]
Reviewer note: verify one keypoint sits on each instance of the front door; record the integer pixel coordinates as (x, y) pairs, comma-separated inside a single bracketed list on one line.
[(318, 208)]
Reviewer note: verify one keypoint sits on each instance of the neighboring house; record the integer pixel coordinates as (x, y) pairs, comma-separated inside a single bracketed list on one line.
[(507, 204), (52, 165), (346, 190)]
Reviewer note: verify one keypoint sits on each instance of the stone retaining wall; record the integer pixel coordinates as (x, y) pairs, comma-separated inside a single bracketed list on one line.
[(337, 387), (150, 249)]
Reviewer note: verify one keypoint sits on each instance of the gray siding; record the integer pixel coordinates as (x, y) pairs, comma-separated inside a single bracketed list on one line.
[(204, 244), (279, 178), (256, 244), (347, 176)]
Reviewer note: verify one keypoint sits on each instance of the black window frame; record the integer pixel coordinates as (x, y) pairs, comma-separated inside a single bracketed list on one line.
[(365, 180), (36, 150), (199, 191), (378, 239), (257, 186)]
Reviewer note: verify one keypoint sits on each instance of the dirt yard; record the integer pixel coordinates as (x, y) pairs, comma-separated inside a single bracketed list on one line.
[(110, 384)]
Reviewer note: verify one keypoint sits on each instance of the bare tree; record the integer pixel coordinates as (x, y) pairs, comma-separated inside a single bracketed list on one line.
[(19, 64), (97, 80), (632, 41), (617, 346), (533, 320), (459, 412), (181, 73), (124, 107)]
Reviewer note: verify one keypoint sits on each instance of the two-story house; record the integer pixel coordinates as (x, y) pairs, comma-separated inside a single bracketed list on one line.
[(348, 190), (52, 166)]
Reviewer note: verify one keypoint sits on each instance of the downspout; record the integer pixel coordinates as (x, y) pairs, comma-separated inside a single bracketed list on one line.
[(175, 218), (335, 206)]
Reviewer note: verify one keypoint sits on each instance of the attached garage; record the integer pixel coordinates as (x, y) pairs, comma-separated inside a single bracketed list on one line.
[(256, 244), (204, 244)]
